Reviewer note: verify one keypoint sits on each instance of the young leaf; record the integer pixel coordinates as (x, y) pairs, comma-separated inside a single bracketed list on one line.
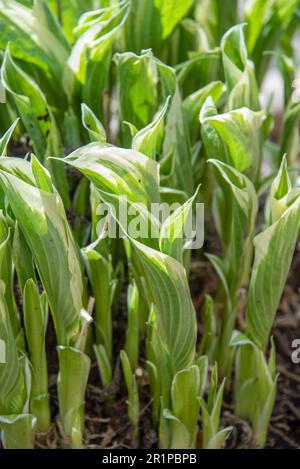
[(91, 54), (177, 143), (239, 71), (36, 38), (280, 192), (92, 124), (133, 394), (146, 140), (4, 141), (150, 23), (193, 103), (176, 228), (127, 181), (289, 142), (11, 375), (42, 219), (35, 321), (274, 249), (266, 23), (118, 171), (30, 101), (215, 18), (104, 364), (132, 333), (69, 12), (208, 342), (166, 280), (138, 74), (255, 385), (36, 116), (185, 402), (7, 272), (210, 411), (172, 433), (100, 273), (74, 368), (22, 258), (236, 221), (241, 133), (16, 423)]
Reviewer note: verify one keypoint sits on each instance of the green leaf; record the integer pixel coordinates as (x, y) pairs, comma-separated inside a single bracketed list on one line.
[(100, 273), (104, 364), (239, 71), (18, 431), (281, 192), (22, 258), (91, 54), (155, 390), (42, 219), (69, 12), (218, 440), (289, 141), (7, 272), (146, 140), (274, 249), (215, 18), (175, 434), (214, 147), (37, 39), (193, 103), (117, 170), (212, 437), (267, 21), (286, 66), (202, 363), (238, 338), (200, 69), (30, 101), (241, 133), (218, 265), (13, 390), (92, 124), (35, 322), (41, 176), (209, 324), (255, 387), (151, 22), (4, 141), (132, 332), (74, 367), (37, 117), (171, 12), (177, 144), (235, 210), (80, 208), (176, 322), (137, 88), (185, 402), (133, 395), (175, 229)]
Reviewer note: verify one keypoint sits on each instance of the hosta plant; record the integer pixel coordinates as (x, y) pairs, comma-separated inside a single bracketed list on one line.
[(118, 107), (40, 214)]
